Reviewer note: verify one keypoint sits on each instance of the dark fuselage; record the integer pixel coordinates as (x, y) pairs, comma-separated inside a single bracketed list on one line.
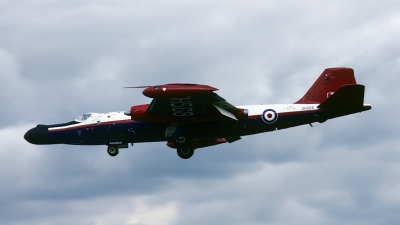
[(106, 129)]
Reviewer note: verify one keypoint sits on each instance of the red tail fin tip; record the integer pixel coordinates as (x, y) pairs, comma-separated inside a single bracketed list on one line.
[(327, 83)]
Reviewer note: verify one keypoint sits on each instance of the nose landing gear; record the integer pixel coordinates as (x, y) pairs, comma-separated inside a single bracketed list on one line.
[(114, 146), (112, 150)]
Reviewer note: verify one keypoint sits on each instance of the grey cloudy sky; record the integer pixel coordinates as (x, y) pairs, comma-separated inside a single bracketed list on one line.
[(59, 59)]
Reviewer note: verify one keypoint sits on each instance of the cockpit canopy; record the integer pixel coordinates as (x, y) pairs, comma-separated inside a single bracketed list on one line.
[(97, 117), (83, 117)]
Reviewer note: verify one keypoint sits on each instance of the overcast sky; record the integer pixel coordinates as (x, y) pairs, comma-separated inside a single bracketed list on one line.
[(59, 59)]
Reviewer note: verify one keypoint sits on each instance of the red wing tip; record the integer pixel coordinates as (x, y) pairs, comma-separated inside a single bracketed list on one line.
[(179, 84), (192, 85)]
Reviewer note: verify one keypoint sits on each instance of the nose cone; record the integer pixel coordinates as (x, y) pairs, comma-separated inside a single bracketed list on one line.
[(38, 135)]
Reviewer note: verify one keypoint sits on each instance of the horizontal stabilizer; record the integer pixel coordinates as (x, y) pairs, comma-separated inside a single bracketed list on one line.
[(347, 97)]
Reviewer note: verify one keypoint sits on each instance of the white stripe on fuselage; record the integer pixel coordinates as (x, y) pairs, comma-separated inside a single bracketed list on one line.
[(97, 119), (255, 110)]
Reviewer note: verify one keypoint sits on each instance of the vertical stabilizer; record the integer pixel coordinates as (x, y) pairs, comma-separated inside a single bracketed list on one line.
[(328, 82)]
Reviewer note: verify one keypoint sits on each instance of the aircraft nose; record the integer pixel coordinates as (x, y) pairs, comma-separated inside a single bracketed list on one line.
[(37, 135)]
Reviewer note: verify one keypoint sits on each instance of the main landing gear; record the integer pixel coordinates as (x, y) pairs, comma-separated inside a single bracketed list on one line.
[(185, 151), (112, 150), (184, 148)]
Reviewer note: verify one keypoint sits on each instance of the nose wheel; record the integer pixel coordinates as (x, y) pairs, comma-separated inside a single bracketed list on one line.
[(112, 150)]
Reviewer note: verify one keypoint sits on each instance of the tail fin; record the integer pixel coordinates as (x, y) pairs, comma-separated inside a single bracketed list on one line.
[(328, 82)]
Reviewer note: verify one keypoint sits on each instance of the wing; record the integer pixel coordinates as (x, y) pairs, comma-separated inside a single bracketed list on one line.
[(185, 103)]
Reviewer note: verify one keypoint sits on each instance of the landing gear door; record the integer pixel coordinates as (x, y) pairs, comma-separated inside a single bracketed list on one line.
[(173, 131)]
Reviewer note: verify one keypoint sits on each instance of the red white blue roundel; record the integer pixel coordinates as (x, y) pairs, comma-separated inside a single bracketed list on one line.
[(269, 116)]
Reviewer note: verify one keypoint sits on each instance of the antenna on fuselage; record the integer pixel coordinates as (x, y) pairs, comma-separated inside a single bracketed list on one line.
[(138, 87)]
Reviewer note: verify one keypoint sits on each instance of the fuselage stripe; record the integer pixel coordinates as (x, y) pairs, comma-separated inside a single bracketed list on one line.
[(88, 125)]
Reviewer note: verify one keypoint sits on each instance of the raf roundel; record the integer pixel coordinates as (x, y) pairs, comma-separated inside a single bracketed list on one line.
[(269, 116)]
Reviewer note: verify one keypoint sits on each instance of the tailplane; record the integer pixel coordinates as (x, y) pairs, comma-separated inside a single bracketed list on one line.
[(346, 98), (330, 81)]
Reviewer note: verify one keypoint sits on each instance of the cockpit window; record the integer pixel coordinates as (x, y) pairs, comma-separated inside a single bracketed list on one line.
[(83, 117)]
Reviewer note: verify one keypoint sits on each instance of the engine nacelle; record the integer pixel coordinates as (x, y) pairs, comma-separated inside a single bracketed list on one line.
[(242, 114), (139, 113)]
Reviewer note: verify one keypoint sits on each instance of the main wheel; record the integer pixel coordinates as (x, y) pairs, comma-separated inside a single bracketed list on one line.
[(112, 150), (185, 151)]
